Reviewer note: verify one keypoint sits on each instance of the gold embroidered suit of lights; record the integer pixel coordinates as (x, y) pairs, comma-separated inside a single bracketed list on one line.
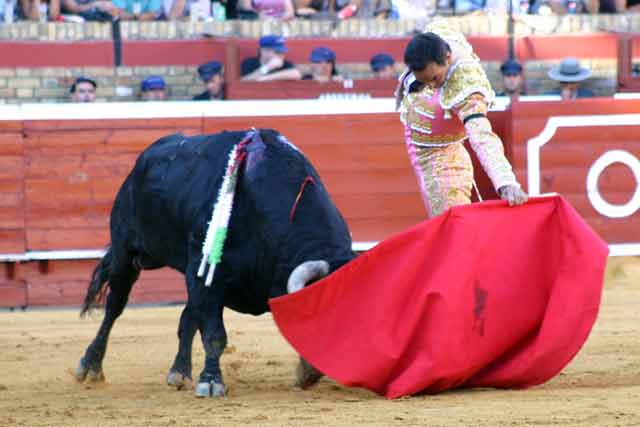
[(419, 110), (466, 79)]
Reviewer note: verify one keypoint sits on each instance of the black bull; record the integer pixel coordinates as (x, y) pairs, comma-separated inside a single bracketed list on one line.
[(282, 233)]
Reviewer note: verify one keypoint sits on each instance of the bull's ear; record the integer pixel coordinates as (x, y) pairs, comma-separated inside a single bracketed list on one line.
[(305, 273)]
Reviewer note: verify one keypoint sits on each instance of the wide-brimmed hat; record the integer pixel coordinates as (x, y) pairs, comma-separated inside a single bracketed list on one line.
[(569, 71)]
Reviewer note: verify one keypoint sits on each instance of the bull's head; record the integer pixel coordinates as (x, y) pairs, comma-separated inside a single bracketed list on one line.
[(306, 272)]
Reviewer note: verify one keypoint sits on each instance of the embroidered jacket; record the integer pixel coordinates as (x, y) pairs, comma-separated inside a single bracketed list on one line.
[(436, 117)]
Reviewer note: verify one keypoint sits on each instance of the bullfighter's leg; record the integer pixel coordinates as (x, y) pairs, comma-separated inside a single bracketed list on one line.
[(180, 373), (122, 275)]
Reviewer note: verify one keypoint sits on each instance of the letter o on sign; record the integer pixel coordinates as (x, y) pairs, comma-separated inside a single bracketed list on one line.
[(601, 205)]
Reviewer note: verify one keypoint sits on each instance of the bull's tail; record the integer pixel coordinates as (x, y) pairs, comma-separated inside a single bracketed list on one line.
[(97, 287)]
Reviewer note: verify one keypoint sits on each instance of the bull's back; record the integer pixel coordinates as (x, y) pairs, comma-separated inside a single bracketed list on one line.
[(170, 192)]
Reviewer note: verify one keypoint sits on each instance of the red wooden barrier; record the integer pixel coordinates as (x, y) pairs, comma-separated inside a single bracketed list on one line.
[(56, 54), (61, 177), (573, 149)]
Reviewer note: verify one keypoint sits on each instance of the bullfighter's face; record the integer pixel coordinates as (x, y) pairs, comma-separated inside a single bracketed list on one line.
[(434, 74)]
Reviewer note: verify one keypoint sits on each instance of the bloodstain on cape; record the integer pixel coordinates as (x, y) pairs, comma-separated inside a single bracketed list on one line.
[(483, 295)]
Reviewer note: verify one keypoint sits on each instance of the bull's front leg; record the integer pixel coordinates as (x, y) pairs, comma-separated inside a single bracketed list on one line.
[(214, 341)]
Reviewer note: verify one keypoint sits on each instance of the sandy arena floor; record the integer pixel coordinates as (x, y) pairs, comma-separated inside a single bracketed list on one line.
[(40, 348)]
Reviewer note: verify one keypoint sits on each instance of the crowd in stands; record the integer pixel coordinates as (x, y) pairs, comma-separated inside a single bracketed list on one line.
[(271, 64), (149, 10)]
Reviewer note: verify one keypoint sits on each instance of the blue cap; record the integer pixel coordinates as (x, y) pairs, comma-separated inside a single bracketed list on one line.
[(152, 83), (322, 54), (380, 61), (207, 70), (511, 67), (276, 43)]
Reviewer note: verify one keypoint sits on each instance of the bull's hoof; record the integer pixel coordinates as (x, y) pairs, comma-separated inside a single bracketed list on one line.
[(307, 375), (81, 371), (178, 380), (95, 376), (210, 389), (84, 373)]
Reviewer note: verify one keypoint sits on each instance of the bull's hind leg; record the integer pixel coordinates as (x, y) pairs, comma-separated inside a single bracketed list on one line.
[(214, 341), (205, 307), (121, 276), (180, 373)]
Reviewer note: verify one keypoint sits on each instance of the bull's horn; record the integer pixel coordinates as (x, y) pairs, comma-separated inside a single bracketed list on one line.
[(306, 272)]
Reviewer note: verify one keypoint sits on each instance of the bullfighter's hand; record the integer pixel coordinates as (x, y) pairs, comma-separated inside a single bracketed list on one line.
[(513, 194)]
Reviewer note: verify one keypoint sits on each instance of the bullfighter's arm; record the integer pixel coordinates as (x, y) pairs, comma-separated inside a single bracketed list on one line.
[(472, 111)]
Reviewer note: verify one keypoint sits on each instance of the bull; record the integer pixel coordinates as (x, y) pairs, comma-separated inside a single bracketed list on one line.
[(284, 232)]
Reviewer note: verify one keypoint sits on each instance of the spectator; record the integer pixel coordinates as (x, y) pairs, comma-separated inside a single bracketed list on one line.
[(419, 10), (91, 10), (176, 9), (138, 10), (83, 89), (37, 10), (342, 9), (570, 74), (311, 8), (631, 6), (377, 9), (268, 9), (270, 64), (323, 66), (211, 75), (153, 88), (382, 66), (512, 79)]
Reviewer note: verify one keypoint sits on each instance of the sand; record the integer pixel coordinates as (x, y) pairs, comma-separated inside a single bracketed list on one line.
[(40, 348)]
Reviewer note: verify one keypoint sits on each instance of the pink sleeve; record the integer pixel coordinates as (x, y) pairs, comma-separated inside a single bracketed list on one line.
[(484, 141)]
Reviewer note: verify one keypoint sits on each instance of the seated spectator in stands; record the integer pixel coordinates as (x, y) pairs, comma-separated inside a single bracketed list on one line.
[(418, 10), (570, 74), (466, 6), (270, 64), (83, 89), (382, 66), (138, 10), (323, 66), (39, 10), (153, 88), (91, 10), (211, 75), (341, 9), (179, 9), (562, 7), (512, 79), (631, 6), (376, 9), (311, 8), (268, 9)]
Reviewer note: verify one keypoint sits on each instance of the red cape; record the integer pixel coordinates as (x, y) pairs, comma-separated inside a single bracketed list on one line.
[(482, 295)]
